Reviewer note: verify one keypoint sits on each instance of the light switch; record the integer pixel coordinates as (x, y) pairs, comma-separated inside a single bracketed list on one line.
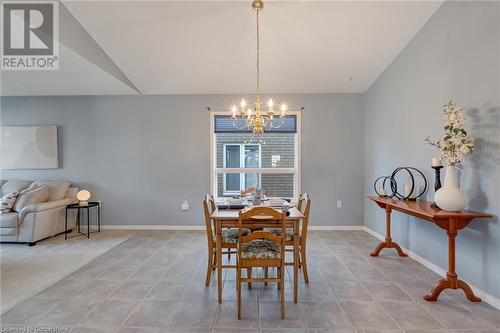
[(185, 205), (339, 203)]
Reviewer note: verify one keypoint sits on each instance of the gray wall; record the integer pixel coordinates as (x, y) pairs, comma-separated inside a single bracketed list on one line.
[(455, 56), (143, 155)]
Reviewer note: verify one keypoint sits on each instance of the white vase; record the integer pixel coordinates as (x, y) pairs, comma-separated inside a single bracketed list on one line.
[(450, 197)]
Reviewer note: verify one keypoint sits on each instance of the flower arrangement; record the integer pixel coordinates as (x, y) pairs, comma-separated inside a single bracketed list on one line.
[(455, 143)]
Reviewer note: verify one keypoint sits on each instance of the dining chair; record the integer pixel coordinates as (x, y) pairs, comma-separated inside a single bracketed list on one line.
[(304, 205), (229, 238), (261, 248)]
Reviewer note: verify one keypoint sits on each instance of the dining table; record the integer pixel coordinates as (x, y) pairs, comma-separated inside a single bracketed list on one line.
[(228, 218)]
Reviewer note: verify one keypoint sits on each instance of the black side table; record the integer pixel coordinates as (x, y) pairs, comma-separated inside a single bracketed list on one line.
[(80, 208)]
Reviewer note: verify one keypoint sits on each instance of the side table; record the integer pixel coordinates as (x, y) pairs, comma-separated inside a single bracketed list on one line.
[(80, 208)]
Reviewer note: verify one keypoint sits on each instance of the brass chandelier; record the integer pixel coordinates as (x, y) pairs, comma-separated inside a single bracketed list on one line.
[(257, 120)]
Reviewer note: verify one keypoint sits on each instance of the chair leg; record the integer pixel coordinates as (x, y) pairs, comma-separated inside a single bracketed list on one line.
[(210, 266), (304, 264), (214, 260), (278, 275), (266, 274), (282, 292), (238, 292), (249, 275)]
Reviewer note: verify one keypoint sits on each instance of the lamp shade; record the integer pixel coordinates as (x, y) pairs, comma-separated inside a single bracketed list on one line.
[(83, 195)]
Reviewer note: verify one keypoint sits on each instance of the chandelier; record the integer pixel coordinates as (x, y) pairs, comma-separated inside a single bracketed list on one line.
[(258, 120)]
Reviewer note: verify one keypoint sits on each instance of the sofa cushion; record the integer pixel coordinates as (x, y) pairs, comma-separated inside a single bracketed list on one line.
[(8, 232), (8, 220), (7, 202), (14, 186), (31, 196), (57, 188)]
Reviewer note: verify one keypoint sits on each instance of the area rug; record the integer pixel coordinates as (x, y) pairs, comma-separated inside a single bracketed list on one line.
[(26, 271)]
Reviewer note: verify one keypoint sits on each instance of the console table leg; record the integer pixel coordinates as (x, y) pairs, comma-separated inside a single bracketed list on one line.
[(451, 281), (388, 243), (442, 285), (468, 291)]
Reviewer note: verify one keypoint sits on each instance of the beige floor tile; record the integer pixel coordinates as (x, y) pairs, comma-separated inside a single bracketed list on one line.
[(194, 314), (69, 313), (324, 315), (410, 315), (349, 290), (385, 291), (109, 314), (151, 314), (367, 315), (270, 315), (454, 316)]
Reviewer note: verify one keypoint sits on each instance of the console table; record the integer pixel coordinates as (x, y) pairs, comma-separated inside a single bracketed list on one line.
[(452, 222)]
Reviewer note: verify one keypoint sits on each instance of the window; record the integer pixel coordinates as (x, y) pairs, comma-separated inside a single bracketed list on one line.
[(240, 159), (240, 156)]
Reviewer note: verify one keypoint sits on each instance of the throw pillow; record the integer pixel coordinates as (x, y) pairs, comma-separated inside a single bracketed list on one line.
[(31, 196), (7, 202), (57, 188)]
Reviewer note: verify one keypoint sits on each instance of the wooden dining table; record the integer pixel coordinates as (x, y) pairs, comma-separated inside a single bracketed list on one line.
[(225, 218)]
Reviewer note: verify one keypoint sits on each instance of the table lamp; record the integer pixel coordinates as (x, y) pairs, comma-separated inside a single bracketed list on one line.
[(83, 196)]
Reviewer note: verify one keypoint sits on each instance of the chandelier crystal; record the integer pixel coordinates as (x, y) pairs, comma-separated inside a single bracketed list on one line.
[(258, 120)]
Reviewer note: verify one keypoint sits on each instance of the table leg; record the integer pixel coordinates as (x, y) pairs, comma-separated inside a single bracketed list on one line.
[(451, 281), (66, 225), (388, 243), (99, 218), (295, 262), (88, 223), (219, 260), (78, 218)]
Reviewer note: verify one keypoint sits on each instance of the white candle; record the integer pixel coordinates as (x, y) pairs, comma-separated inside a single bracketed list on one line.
[(408, 190), (436, 162)]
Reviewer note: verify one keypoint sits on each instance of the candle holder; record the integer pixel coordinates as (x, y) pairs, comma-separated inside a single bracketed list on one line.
[(437, 181)]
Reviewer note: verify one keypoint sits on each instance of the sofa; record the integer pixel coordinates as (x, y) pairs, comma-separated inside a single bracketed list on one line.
[(37, 221)]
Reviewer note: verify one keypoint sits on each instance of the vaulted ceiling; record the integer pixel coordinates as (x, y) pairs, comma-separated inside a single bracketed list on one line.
[(208, 47)]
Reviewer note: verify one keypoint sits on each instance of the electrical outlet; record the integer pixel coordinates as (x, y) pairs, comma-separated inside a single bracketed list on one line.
[(185, 205), (339, 203)]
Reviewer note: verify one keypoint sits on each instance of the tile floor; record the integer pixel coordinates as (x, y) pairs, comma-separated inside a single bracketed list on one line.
[(154, 282)]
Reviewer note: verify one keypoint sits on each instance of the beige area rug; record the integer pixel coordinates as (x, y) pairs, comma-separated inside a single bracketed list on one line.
[(26, 271)]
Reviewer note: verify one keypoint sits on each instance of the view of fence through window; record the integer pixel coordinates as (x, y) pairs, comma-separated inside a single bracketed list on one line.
[(273, 153)]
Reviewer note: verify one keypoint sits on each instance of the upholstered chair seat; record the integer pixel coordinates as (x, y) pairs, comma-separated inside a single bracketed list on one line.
[(277, 231), (260, 249), (231, 235)]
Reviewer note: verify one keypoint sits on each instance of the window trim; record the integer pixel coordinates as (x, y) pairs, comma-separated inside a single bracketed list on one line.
[(242, 161), (213, 157)]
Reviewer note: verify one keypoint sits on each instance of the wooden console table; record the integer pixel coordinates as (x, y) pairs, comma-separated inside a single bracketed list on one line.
[(452, 222)]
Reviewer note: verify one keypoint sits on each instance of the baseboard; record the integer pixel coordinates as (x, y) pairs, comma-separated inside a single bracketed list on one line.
[(336, 227), (490, 299), (153, 227), (202, 227)]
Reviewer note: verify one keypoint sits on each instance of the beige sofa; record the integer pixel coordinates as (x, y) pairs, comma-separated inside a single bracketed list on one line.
[(37, 221)]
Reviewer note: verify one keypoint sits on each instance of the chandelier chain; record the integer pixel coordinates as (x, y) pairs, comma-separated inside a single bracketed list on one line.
[(258, 53)]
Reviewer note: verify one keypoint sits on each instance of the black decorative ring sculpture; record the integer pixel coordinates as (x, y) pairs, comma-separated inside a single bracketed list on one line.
[(394, 185), (384, 180)]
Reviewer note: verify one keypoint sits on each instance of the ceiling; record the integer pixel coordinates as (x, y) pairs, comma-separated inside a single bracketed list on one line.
[(207, 47)]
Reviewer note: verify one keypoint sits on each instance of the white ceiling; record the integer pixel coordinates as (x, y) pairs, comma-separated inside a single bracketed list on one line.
[(206, 47)]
